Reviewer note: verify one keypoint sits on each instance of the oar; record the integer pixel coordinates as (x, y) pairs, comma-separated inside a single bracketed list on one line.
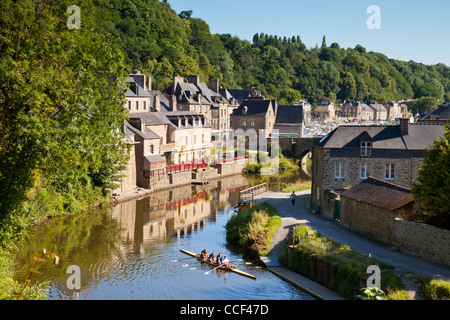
[(212, 269)]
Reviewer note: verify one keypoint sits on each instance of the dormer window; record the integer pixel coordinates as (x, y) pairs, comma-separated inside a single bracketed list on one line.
[(366, 149), (365, 144)]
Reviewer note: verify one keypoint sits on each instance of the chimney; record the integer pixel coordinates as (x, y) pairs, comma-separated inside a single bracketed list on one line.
[(148, 84), (173, 102), (176, 80), (404, 126), (157, 103), (214, 85), (194, 80)]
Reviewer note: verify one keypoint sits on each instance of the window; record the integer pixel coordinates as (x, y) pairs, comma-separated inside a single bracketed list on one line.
[(364, 170), (129, 105), (252, 123), (243, 123), (339, 170), (152, 149), (389, 173), (137, 105), (366, 149), (145, 105)]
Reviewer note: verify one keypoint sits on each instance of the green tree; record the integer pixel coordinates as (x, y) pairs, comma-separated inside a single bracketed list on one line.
[(347, 86), (61, 109), (423, 105), (432, 189), (289, 96)]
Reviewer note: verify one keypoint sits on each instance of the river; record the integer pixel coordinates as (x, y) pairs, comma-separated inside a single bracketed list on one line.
[(131, 251)]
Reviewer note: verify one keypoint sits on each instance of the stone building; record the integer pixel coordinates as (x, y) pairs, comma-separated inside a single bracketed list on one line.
[(371, 207), (351, 109), (326, 109), (289, 121), (366, 112), (379, 111), (256, 113), (206, 100), (137, 97), (350, 154)]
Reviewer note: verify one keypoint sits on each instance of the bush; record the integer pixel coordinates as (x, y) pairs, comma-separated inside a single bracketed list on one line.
[(252, 228), (433, 289)]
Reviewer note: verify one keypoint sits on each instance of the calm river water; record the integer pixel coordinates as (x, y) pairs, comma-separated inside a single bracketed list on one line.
[(132, 250)]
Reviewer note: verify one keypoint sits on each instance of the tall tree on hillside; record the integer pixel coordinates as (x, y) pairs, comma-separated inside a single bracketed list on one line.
[(324, 43)]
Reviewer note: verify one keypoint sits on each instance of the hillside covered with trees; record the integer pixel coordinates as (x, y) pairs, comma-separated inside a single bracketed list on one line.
[(163, 43)]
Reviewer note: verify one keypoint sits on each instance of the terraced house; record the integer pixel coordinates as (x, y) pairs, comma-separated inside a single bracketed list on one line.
[(350, 154)]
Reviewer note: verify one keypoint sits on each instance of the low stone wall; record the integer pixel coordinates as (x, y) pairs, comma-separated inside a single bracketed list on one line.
[(205, 175), (228, 169), (382, 225), (424, 240), (374, 222)]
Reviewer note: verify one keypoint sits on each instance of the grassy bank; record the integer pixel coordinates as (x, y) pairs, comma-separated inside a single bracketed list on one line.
[(344, 278), (433, 289), (252, 229), (288, 178)]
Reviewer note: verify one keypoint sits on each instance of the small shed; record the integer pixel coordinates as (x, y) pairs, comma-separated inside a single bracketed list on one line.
[(372, 206)]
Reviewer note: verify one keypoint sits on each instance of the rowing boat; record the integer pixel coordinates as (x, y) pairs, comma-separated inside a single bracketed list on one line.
[(242, 273)]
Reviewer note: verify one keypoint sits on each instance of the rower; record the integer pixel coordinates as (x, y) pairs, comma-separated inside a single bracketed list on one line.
[(226, 262), (219, 258), (211, 258), (203, 254)]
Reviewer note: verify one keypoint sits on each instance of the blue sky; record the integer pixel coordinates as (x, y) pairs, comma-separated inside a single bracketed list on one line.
[(410, 30)]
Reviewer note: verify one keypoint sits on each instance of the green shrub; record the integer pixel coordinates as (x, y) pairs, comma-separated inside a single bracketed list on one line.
[(434, 289), (253, 228)]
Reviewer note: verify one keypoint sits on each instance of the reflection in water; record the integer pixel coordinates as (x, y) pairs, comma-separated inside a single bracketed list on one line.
[(132, 250)]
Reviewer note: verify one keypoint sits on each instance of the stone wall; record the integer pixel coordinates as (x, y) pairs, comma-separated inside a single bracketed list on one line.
[(205, 175), (382, 225), (423, 240), (371, 221), (227, 169), (328, 208)]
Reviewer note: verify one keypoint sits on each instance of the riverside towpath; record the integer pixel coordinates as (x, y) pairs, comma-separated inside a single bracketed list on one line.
[(300, 214)]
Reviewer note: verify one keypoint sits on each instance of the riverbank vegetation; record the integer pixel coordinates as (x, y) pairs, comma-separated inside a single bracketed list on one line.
[(329, 263), (61, 113), (434, 289), (289, 175), (252, 229)]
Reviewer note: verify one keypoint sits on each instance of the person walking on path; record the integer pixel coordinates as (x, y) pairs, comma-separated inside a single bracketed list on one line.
[(293, 198)]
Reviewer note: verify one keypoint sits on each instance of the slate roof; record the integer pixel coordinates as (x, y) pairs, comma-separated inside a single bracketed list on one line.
[(379, 194), (254, 107), (154, 158), (378, 107), (289, 114), (240, 94), (134, 89), (150, 118), (384, 137), (443, 111)]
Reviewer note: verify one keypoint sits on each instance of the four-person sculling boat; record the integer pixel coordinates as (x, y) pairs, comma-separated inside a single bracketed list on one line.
[(220, 262)]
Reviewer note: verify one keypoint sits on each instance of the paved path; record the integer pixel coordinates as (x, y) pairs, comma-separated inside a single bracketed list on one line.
[(300, 214)]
